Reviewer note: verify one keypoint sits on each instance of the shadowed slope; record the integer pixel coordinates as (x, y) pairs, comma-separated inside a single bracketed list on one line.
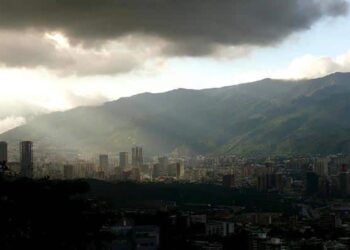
[(268, 116)]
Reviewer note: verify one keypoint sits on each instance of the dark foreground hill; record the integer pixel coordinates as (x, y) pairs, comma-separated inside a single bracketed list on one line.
[(155, 195), (264, 117), (55, 215)]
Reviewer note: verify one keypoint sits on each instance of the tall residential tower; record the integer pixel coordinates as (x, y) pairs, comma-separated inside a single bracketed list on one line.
[(123, 160), (104, 162), (136, 157), (3, 151), (26, 157)]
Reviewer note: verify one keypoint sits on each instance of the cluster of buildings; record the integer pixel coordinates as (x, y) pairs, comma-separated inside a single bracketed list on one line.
[(218, 227), (312, 175), (311, 193), (321, 176), (120, 167), (25, 166), (130, 236)]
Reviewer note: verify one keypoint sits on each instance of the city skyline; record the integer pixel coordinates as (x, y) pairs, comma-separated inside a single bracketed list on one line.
[(175, 124)]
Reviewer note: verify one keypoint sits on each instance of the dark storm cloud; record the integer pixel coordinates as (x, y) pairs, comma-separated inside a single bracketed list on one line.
[(32, 50), (192, 27)]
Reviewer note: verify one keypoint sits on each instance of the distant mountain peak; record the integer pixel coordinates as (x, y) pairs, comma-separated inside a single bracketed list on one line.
[(260, 118)]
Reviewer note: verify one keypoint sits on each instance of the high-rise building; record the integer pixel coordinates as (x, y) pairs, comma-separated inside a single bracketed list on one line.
[(279, 182), (321, 167), (68, 172), (156, 171), (262, 182), (123, 160), (172, 168), (135, 174), (3, 151), (136, 156), (344, 182), (180, 170), (163, 165), (266, 182), (26, 158), (134, 152), (104, 163)]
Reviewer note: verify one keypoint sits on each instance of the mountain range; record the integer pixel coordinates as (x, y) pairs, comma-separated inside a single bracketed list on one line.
[(260, 118)]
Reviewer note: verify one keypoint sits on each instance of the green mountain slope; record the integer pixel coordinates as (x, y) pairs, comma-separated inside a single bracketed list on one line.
[(264, 117)]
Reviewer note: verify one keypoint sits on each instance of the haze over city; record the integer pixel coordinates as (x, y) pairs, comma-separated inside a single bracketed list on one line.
[(175, 124)]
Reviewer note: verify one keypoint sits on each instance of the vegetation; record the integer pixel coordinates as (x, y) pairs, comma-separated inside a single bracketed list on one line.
[(43, 214), (127, 194), (261, 118)]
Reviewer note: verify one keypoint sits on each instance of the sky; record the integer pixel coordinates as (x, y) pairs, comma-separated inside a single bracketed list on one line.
[(60, 54)]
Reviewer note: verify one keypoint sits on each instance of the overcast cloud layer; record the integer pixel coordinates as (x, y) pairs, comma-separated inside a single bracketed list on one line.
[(59, 54), (164, 27), (234, 22), (31, 49)]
